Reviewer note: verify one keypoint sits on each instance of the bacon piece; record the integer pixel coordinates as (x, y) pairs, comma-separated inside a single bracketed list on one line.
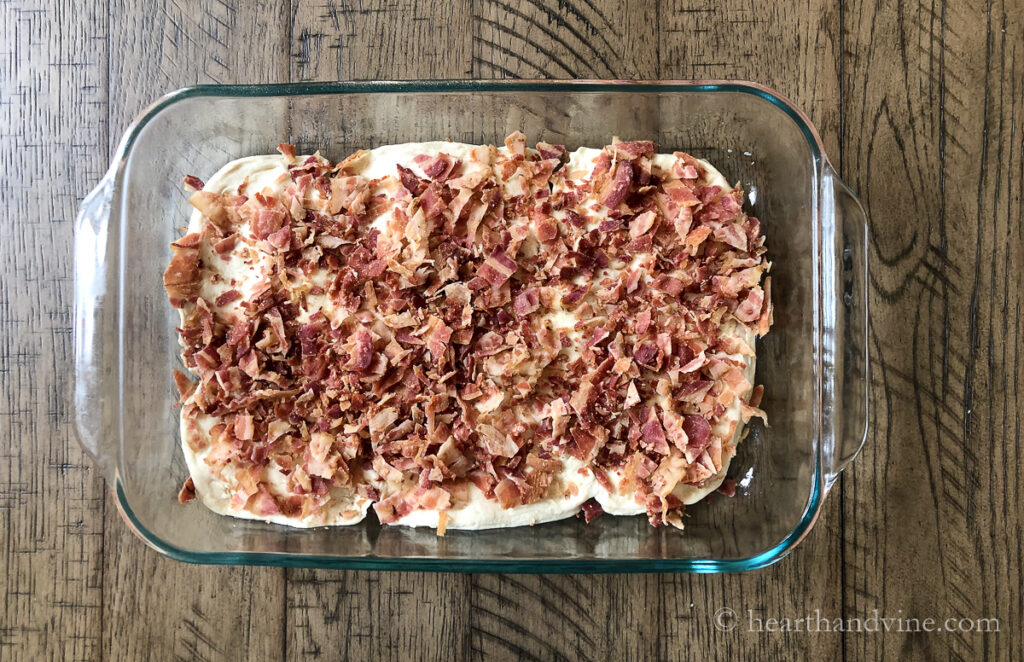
[(188, 491), (732, 234), (548, 151), (611, 224), (750, 309), (698, 433), (697, 236), (281, 239), (618, 187), (653, 435), (193, 183), (526, 301), (575, 294), (507, 493), (646, 355), (244, 427), (633, 150), (410, 181), (497, 269), (516, 144), (181, 278), (309, 333), (546, 228), (211, 206), (574, 218), (186, 386), (438, 338), (265, 222), (438, 167), (667, 284), (264, 503), (641, 225), (591, 510), (728, 487), (432, 203), (361, 357), (756, 395), (226, 245), (643, 321), (287, 151), (435, 498), (694, 364)]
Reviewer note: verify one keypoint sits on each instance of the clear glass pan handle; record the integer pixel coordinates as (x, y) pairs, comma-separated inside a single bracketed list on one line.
[(845, 329), (95, 330)]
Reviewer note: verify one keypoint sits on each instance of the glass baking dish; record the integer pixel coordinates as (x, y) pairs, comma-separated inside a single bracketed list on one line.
[(813, 363)]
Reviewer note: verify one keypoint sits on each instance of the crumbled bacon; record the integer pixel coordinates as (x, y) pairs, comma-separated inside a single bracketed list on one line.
[(619, 185), (591, 510), (394, 335), (181, 278), (527, 301), (188, 491), (193, 183)]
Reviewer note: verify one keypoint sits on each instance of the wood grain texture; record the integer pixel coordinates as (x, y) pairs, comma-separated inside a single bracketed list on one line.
[(53, 114), (920, 107), (933, 141)]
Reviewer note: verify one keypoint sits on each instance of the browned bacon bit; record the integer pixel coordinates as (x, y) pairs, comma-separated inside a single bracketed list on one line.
[(497, 268), (193, 183), (287, 150), (619, 185), (646, 354), (410, 181), (361, 351), (653, 438), (181, 279), (267, 221), (728, 487), (633, 150), (576, 294), (527, 301), (186, 386), (698, 432), (574, 218), (546, 229), (188, 491), (227, 297), (667, 284), (642, 224), (551, 151), (468, 322), (591, 510), (438, 168), (507, 493), (226, 245)]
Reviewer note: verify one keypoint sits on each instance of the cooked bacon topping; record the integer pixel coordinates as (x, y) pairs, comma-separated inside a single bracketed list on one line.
[(406, 337), (188, 491), (591, 510)]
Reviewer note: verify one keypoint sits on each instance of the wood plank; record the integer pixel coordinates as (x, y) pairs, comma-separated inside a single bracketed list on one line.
[(399, 39), (53, 113), (154, 606), (933, 142), (568, 39)]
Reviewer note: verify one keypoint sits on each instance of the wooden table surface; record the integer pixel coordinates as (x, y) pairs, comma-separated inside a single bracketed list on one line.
[(920, 106)]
